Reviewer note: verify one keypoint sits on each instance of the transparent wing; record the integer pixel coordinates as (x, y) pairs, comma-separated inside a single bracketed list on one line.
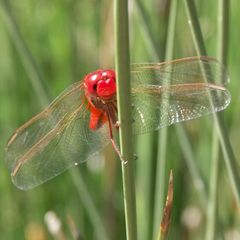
[(176, 91), (54, 140)]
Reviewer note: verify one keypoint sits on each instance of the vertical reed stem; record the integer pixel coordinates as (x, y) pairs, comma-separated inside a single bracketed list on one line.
[(24, 53), (222, 46), (42, 95), (183, 140), (163, 133), (229, 156), (124, 113)]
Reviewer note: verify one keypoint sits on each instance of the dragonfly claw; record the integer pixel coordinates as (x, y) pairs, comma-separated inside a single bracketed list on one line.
[(117, 124), (124, 161)]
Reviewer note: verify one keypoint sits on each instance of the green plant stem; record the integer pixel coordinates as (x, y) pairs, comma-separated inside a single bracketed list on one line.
[(198, 180), (147, 33), (147, 144), (146, 149), (195, 28), (124, 113), (163, 133), (222, 46), (89, 205), (185, 144), (223, 33), (25, 54), (228, 154), (38, 86), (213, 185)]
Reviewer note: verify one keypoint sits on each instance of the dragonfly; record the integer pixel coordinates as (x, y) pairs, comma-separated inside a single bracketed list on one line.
[(80, 122)]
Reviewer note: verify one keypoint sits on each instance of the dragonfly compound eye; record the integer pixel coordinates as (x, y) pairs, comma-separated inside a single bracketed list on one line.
[(106, 87), (91, 81)]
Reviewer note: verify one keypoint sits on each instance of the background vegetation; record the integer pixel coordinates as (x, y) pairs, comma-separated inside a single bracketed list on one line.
[(47, 45)]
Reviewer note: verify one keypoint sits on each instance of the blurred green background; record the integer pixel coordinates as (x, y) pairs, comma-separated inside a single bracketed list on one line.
[(67, 39)]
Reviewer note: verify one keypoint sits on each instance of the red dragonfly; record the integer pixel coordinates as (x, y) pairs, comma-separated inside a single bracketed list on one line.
[(80, 121)]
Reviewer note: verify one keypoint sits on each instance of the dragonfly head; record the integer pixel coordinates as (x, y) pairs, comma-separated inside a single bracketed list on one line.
[(100, 84)]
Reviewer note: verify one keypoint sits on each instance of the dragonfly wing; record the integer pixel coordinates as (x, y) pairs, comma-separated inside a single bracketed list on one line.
[(54, 140), (171, 92), (184, 70)]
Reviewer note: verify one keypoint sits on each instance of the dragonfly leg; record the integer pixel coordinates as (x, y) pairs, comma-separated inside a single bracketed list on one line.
[(117, 124), (116, 148)]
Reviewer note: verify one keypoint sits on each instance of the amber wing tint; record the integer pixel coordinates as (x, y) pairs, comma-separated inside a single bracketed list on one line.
[(176, 91)]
